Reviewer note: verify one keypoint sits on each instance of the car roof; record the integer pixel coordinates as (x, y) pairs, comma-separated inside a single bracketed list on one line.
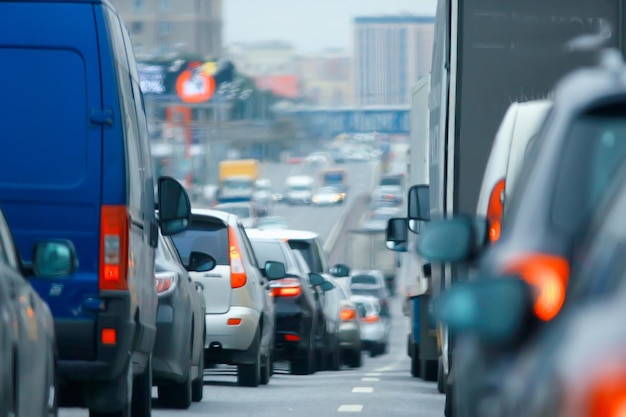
[(288, 234), (221, 215)]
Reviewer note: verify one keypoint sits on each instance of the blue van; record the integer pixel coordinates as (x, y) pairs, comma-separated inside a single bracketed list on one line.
[(75, 164)]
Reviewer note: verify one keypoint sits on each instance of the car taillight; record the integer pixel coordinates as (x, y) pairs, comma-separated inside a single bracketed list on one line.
[(286, 287), (495, 209), (165, 282), (237, 271), (114, 226), (549, 274), (347, 314), (370, 319)]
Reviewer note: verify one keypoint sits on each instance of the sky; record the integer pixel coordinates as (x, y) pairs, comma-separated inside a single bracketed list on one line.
[(311, 25)]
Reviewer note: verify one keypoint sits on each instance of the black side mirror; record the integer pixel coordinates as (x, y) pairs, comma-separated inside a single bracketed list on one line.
[(315, 279), (201, 262), (174, 206), (327, 286), (397, 234), (54, 258), (419, 206), (340, 270), (449, 240), (274, 270)]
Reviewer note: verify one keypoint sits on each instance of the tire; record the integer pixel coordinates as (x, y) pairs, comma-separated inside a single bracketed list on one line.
[(197, 386), (303, 365), (429, 370), (355, 359), (176, 395), (52, 405), (141, 404), (334, 359), (415, 362), (441, 388), (127, 410), (320, 360), (249, 375), (266, 366)]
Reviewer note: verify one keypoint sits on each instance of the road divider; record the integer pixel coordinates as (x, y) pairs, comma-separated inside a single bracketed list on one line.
[(346, 221)]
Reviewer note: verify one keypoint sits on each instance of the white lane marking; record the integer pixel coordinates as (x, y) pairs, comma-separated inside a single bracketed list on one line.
[(370, 379), (373, 374), (350, 408), (364, 390)]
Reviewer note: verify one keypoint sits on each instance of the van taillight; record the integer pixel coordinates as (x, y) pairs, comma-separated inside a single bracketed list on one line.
[(114, 225), (237, 270), (495, 210)]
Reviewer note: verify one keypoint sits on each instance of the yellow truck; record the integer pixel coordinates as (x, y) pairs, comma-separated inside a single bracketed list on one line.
[(237, 178)]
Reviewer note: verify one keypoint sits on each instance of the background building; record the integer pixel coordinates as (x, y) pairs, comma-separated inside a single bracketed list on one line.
[(162, 27), (326, 78), (391, 53)]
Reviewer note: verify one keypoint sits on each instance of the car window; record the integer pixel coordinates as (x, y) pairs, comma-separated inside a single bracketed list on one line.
[(596, 146), (373, 292), (364, 279), (203, 236), (268, 251), (307, 252)]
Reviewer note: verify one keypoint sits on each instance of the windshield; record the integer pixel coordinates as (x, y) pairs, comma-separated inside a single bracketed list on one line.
[(300, 188), (203, 236), (237, 184)]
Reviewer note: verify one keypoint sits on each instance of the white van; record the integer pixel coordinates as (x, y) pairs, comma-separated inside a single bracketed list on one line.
[(299, 189), (519, 127)]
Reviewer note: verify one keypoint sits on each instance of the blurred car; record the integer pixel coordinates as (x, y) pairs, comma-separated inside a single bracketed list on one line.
[(272, 222), (371, 283), (246, 212), (388, 193), (377, 219), (375, 326), (309, 246), (28, 352), (349, 328), (263, 196), (178, 355), (299, 321), (327, 196), (317, 159), (239, 309)]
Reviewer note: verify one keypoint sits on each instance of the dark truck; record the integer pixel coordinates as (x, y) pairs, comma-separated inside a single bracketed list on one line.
[(488, 54)]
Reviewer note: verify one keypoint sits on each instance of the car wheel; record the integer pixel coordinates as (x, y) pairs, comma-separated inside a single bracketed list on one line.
[(440, 377), (176, 395), (355, 359), (197, 386), (249, 375), (303, 365), (334, 359), (415, 361), (266, 365), (141, 403), (127, 410)]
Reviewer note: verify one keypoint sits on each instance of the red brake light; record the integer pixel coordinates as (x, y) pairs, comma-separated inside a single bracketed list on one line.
[(114, 226), (165, 282), (370, 319), (347, 314), (286, 287), (495, 209), (237, 271), (550, 275)]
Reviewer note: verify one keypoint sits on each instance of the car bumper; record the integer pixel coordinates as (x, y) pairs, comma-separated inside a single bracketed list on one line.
[(219, 335), (171, 348), (349, 336), (375, 333)]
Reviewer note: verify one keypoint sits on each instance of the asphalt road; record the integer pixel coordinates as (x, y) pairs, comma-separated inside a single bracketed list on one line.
[(383, 386)]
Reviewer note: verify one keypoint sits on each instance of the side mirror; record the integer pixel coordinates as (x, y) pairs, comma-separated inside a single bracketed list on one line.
[(201, 262), (327, 286), (54, 258), (274, 270), (449, 240), (495, 309), (397, 234), (174, 206), (419, 205), (340, 270), (316, 279)]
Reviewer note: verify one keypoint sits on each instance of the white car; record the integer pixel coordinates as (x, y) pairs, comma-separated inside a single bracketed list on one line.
[(374, 327), (245, 211)]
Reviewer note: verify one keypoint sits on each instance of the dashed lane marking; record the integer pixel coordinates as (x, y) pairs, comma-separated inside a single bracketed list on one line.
[(350, 408), (363, 390), (367, 379), (373, 374)]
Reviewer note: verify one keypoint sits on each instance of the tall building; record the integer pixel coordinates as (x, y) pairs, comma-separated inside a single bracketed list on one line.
[(162, 27), (326, 78), (391, 53)]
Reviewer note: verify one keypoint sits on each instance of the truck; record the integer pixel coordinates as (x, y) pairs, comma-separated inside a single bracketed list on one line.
[(335, 177), (365, 250), (486, 55), (237, 180)]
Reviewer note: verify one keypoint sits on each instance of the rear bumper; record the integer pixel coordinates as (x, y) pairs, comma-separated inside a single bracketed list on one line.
[(170, 358), (239, 337), (373, 333), (349, 336)]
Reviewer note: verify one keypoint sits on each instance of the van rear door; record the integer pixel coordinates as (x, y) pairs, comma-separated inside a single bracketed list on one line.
[(50, 163)]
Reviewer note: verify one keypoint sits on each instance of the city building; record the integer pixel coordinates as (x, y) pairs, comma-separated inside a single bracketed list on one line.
[(326, 78), (159, 28), (391, 53)]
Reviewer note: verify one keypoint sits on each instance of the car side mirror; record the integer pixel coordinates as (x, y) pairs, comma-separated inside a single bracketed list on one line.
[(174, 206), (427, 270), (496, 309), (340, 270), (397, 234), (54, 258), (418, 206), (327, 286), (274, 270), (316, 279), (449, 240), (201, 262)]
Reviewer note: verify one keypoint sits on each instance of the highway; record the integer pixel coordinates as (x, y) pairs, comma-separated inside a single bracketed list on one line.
[(383, 386)]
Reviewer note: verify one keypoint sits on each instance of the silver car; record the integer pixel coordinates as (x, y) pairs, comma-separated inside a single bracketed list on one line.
[(374, 326), (239, 309)]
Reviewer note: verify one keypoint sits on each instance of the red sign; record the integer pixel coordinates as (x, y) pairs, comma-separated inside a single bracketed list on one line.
[(195, 85)]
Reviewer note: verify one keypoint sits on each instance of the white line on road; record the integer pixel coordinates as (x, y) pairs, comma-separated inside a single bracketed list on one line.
[(350, 408), (370, 379), (373, 374), (364, 390)]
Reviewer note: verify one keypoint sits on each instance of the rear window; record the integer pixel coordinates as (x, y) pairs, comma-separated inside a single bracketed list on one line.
[(268, 251), (243, 212), (373, 292), (364, 279), (596, 146), (44, 119), (203, 236)]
